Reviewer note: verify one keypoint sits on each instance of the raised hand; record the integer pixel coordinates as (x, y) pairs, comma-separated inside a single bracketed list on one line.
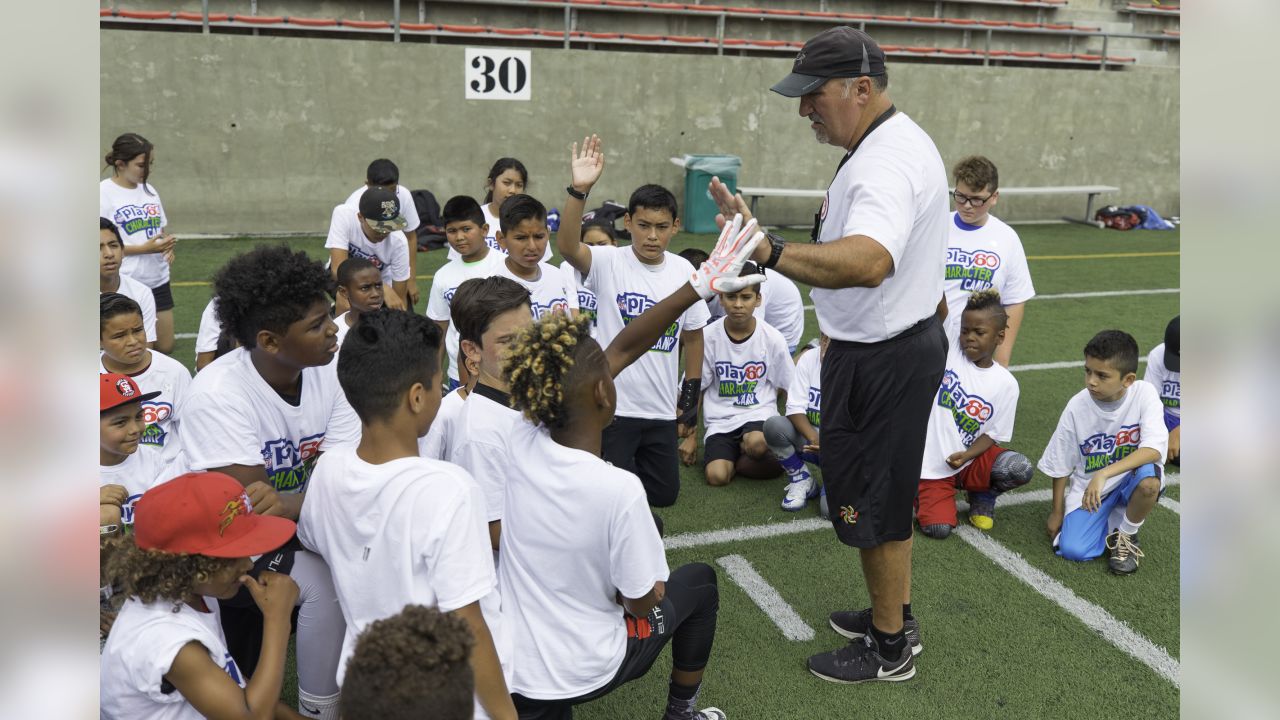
[(730, 204), (586, 166), (719, 274)]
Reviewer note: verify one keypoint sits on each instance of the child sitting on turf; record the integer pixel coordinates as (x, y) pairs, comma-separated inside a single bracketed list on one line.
[(110, 257), (594, 234), (973, 410), (124, 350), (523, 237), (373, 231), (793, 439), (396, 528), (360, 288), (167, 656), (1105, 457), (464, 229), (415, 659), (746, 364), (1164, 372)]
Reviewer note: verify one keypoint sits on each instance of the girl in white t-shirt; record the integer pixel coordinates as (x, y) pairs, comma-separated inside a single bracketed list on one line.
[(124, 350), (166, 657), (506, 178), (128, 200)]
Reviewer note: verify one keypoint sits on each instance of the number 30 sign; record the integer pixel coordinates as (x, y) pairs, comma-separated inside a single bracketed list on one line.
[(493, 74)]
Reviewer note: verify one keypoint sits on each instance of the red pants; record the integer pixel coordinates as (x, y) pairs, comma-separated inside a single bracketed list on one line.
[(936, 499)]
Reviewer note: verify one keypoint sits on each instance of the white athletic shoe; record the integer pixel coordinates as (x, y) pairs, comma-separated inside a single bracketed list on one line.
[(800, 491)]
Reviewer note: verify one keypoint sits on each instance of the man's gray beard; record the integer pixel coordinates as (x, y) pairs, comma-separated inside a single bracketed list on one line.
[(820, 134)]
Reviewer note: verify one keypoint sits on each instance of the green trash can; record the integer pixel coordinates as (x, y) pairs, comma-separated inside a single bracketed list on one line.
[(699, 209)]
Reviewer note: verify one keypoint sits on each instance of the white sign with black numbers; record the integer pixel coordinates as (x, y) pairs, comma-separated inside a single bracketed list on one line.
[(493, 74)]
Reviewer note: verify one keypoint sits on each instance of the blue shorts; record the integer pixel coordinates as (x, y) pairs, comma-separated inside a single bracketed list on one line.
[(1084, 533), (1171, 421)]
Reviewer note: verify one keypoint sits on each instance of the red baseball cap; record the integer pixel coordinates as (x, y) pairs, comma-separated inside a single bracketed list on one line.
[(117, 390), (205, 513)]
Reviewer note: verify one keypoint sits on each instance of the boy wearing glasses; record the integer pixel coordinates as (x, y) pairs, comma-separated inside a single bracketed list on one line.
[(983, 252)]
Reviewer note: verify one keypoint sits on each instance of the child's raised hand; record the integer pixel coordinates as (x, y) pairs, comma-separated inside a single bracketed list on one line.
[(586, 166), (274, 593), (719, 274)]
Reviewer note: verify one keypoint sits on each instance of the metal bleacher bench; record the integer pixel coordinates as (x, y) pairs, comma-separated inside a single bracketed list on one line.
[(1092, 191)]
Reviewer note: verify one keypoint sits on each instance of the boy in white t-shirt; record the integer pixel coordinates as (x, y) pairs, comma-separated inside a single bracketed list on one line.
[(523, 236), (746, 364), (794, 439), (125, 468), (1164, 372), (464, 229), (1105, 457), (973, 410), (655, 408), (983, 252), (124, 350), (373, 232), (383, 173), (397, 529), (360, 288), (782, 307), (110, 253), (212, 340), (594, 234)]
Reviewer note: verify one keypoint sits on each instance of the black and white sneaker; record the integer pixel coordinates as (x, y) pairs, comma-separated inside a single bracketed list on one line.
[(860, 661), (855, 624), (1123, 553)]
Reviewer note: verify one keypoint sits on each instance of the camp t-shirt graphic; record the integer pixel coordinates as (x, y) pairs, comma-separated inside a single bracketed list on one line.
[(1101, 449), (289, 466), (969, 410), (976, 270), (587, 305), (133, 219), (155, 414), (356, 251), (632, 305), (740, 381)]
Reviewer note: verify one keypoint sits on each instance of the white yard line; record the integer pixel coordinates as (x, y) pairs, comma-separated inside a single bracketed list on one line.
[(1171, 504), (185, 336), (1054, 365), (766, 598), (1094, 617), (1100, 293)]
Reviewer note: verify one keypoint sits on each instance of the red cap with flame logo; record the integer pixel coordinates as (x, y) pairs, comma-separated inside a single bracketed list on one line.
[(205, 513)]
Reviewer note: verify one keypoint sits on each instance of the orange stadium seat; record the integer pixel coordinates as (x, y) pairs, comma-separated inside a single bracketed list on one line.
[(106, 12), (745, 10), (513, 32), (769, 43), (689, 39), (1087, 57), (468, 29), (665, 5), (625, 3), (197, 17), (817, 13), (925, 20), (705, 8), (783, 12), (419, 27), (551, 33), (958, 51), (258, 19), (145, 15), (311, 22), (601, 35), (367, 24), (921, 50), (642, 38), (959, 21)]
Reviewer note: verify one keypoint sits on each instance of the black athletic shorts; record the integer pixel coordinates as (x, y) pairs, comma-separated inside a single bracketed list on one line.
[(728, 446), (876, 399), (648, 449), (163, 296)]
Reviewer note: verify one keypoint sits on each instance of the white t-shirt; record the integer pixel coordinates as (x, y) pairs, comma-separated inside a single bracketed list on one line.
[(160, 413), (436, 443), (408, 210), (804, 397), (549, 293), (140, 650), (1167, 382), (444, 284), (142, 295), (586, 298), (231, 416), (409, 531), (492, 236), (140, 217), (210, 329), (740, 380), (979, 258), (583, 533), (893, 190), (970, 402), (478, 444), (390, 256), (139, 472), (344, 326), (1092, 435), (626, 287)]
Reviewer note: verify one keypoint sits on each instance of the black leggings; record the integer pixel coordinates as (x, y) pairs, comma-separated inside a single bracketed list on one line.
[(686, 618)]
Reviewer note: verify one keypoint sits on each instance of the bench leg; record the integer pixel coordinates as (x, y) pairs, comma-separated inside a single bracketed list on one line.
[(754, 199), (1088, 207)]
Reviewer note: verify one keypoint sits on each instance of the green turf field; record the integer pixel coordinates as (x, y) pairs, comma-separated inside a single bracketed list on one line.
[(995, 646)]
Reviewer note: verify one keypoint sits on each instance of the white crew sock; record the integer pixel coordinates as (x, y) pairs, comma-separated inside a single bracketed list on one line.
[(1129, 527), (316, 706)]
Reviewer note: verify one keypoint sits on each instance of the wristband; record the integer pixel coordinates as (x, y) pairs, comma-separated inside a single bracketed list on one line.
[(776, 244), (575, 194), (107, 529), (687, 405)]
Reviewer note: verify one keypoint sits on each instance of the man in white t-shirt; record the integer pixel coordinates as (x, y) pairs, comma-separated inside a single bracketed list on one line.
[(655, 408), (397, 529), (110, 254), (1164, 372), (383, 173), (983, 253), (373, 232), (1105, 457), (876, 272)]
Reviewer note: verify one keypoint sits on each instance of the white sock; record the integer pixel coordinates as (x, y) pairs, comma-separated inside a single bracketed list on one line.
[(317, 706), (1129, 527)]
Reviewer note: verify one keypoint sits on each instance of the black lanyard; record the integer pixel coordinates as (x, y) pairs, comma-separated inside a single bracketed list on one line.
[(817, 217)]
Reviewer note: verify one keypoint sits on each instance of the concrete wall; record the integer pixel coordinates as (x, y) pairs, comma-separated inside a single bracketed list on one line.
[(263, 134)]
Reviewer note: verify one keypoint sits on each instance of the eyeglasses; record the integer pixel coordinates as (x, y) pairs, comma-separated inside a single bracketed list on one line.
[(962, 199)]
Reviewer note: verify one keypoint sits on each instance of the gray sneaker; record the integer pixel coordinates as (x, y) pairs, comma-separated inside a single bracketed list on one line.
[(854, 624), (1123, 553)]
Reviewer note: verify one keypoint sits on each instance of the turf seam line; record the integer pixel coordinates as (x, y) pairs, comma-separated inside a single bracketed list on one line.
[(766, 598)]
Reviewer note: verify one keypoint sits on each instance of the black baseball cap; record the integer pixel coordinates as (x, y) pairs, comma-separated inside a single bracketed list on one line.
[(836, 53), (381, 210), (382, 172), (1173, 345)]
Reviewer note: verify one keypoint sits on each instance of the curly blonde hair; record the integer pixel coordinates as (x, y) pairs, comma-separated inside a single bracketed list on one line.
[(152, 575), (539, 363), (988, 300)]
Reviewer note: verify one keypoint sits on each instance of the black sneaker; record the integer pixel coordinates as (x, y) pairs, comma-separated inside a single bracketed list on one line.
[(1123, 553), (854, 624), (860, 661)]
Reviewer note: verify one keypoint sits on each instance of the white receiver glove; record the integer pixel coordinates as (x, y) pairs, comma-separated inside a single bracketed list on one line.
[(719, 274)]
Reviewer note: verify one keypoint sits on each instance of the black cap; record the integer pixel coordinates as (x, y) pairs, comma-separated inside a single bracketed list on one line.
[(381, 210), (836, 53), (1173, 345), (382, 172)]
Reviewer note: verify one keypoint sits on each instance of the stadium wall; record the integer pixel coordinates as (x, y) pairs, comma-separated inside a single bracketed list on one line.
[(267, 134)]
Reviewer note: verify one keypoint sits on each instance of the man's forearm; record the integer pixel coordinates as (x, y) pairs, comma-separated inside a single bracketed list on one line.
[(855, 261)]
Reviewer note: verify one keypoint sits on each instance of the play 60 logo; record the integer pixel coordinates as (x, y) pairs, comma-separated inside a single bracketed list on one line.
[(493, 74)]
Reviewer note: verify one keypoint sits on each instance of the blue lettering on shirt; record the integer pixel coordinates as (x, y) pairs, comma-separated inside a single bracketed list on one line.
[(289, 466), (632, 305)]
